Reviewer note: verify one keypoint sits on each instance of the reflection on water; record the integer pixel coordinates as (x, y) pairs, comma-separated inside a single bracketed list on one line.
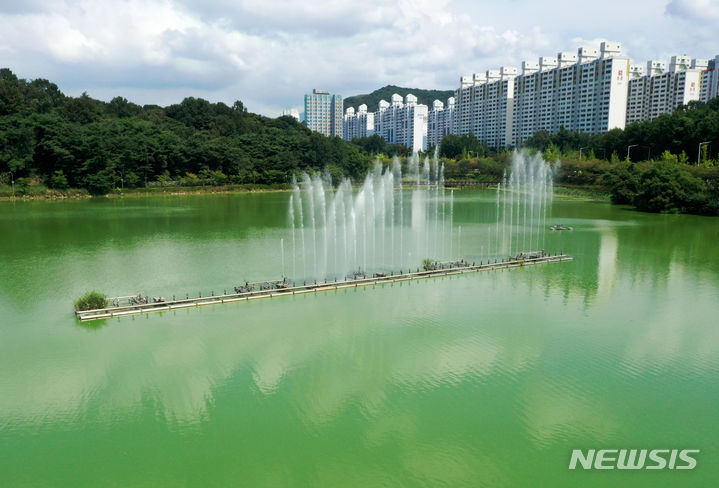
[(607, 265), (442, 381)]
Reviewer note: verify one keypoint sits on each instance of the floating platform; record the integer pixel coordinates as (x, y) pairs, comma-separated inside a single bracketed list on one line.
[(523, 259)]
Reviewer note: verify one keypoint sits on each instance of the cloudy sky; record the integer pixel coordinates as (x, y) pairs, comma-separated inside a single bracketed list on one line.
[(268, 53)]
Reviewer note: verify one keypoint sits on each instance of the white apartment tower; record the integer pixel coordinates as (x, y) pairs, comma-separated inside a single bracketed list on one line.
[(440, 121), (402, 123), (585, 92), (387, 119), (357, 124), (323, 112), (637, 93), (660, 90), (414, 124), (484, 106), (463, 97)]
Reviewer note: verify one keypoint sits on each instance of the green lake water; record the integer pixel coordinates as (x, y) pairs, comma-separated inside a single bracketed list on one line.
[(489, 379)]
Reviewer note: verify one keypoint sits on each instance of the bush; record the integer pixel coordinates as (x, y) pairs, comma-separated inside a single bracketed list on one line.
[(91, 300), (100, 183), (58, 181), (664, 187), (622, 182)]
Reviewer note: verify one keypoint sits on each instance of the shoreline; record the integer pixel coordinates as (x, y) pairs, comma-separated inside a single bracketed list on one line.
[(74, 194), (565, 191), (586, 193)]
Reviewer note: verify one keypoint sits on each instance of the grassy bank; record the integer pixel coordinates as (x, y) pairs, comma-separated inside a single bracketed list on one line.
[(40, 192), (582, 193)]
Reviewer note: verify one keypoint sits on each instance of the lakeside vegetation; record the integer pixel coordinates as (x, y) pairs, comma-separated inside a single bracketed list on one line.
[(55, 146), (49, 141), (91, 300), (656, 165)]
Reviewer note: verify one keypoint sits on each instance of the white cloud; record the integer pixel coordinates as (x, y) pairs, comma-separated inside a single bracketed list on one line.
[(268, 54), (702, 11)]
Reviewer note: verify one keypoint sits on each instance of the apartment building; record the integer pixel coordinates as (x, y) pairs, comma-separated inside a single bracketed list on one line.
[(484, 105), (440, 121), (357, 124), (323, 112), (710, 80), (660, 90), (402, 122), (586, 92)]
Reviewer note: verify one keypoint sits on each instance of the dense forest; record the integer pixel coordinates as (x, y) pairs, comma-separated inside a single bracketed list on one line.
[(66, 142), (385, 93)]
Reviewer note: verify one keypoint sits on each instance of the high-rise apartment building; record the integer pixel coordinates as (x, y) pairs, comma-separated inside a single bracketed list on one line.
[(463, 104), (323, 112), (710, 80), (591, 91), (357, 124), (387, 119), (440, 121), (402, 123), (585, 92), (484, 105), (660, 90)]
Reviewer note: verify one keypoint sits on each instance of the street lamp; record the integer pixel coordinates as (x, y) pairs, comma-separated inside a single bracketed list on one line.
[(12, 181), (699, 154), (580, 151), (629, 147)]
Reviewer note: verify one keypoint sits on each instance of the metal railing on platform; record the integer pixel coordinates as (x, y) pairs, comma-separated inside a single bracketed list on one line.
[(118, 310)]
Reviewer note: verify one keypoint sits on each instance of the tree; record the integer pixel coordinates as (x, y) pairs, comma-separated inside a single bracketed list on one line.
[(11, 99), (668, 157), (553, 153), (456, 147), (372, 145), (540, 140), (82, 110), (622, 183), (58, 181), (120, 107), (100, 183), (664, 187), (193, 112)]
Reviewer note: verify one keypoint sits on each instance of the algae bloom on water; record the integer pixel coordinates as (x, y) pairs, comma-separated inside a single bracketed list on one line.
[(91, 300)]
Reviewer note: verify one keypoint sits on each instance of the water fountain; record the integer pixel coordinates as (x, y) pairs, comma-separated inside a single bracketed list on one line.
[(525, 200), (394, 221), (391, 222)]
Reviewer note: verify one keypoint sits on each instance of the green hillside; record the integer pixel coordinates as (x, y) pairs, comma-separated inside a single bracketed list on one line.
[(372, 99), (49, 138)]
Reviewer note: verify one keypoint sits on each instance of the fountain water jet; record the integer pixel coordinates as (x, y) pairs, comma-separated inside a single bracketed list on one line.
[(351, 229)]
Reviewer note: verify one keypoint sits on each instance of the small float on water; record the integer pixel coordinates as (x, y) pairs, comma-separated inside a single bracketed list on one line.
[(530, 255), (282, 284), (560, 227)]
